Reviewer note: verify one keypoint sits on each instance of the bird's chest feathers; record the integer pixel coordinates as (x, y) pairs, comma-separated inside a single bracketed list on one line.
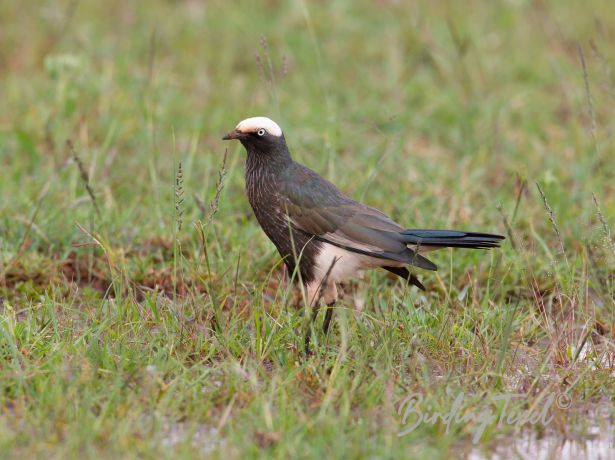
[(261, 189)]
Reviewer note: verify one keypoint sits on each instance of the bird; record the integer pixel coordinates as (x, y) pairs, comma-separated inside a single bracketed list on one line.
[(323, 236)]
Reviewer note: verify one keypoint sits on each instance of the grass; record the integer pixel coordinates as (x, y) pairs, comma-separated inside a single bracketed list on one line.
[(145, 314)]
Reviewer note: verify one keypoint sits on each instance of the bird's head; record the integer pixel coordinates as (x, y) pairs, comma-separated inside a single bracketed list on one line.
[(258, 134)]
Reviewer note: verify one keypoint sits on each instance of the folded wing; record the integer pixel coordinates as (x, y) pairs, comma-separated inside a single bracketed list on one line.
[(316, 207)]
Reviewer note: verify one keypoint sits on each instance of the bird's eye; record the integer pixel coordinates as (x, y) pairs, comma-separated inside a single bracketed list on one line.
[(261, 132)]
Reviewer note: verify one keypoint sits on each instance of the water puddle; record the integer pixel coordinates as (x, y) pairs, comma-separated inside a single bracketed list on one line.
[(596, 445)]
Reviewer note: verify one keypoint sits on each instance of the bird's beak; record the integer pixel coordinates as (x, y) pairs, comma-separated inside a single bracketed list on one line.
[(232, 135)]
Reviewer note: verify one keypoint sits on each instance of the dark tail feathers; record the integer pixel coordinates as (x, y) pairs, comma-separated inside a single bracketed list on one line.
[(403, 272), (451, 238)]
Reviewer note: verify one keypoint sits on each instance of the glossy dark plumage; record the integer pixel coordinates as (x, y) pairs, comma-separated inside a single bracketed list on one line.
[(306, 217)]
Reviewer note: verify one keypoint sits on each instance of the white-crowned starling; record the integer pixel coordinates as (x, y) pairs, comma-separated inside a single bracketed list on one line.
[(322, 233)]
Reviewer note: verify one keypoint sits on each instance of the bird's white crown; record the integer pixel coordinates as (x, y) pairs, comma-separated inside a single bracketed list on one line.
[(252, 125)]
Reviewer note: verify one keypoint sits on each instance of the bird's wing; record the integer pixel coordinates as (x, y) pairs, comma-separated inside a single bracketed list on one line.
[(316, 207)]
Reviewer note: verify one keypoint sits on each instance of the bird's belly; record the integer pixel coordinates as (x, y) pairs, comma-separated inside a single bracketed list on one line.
[(342, 264)]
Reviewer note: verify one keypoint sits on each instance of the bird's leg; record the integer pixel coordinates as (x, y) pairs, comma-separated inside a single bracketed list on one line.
[(328, 316), (308, 332), (325, 290), (330, 298), (313, 295)]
